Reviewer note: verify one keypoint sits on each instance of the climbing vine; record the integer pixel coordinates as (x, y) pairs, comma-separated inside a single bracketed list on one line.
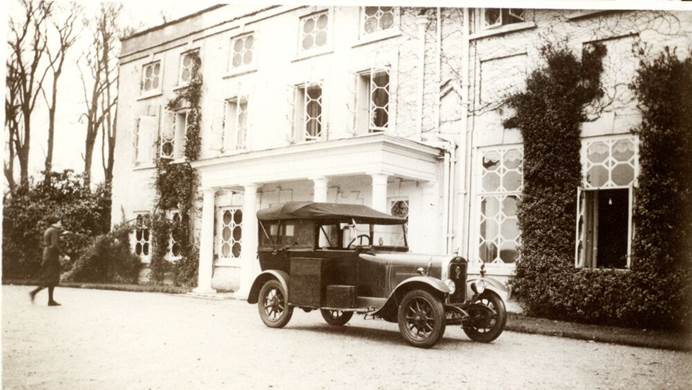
[(176, 186), (549, 114)]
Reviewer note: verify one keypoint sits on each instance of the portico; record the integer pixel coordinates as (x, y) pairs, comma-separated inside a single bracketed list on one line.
[(312, 171)]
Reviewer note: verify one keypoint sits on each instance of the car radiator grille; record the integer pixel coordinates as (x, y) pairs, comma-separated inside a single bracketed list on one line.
[(457, 273)]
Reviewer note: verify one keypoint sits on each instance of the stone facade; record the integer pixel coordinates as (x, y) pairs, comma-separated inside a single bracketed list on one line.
[(443, 149)]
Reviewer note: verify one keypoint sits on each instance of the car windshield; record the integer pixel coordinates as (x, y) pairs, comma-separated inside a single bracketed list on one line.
[(345, 236)]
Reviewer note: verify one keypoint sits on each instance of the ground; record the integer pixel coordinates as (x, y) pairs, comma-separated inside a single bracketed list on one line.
[(127, 340)]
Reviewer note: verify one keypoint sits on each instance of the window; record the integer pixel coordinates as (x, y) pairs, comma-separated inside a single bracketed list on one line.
[(373, 101), (145, 137), (308, 112), (376, 19), (174, 252), (188, 62), (313, 31), (241, 51), (229, 233), (496, 17), (604, 203), (392, 235), (151, 78), (235, 124), (141, 239), (172, 137), (298, 234), (501, 182)]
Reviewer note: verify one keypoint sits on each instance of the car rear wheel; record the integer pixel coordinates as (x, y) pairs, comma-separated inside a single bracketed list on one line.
[(483, 327), (421, 318), (273, 306), (336, 317)]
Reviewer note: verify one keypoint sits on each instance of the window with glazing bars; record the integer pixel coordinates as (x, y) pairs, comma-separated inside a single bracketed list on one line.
[(235, 124)]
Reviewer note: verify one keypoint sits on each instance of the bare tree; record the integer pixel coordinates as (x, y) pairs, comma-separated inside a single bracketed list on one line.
[(101, 98), (66, 38), (27, 45), (12, 116)]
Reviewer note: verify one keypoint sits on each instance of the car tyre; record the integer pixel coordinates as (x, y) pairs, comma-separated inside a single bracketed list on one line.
[(336, 317), (273, 305), (421, 318), (495, 325)]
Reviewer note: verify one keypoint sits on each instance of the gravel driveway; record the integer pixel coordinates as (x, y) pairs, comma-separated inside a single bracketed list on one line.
[(121, 340)]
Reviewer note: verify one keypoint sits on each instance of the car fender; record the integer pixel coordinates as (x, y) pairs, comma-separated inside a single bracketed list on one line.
[(279, 275), (491, 284), (392, 303)]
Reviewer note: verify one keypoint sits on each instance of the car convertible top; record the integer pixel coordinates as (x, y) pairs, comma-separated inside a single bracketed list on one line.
[(328, 212)]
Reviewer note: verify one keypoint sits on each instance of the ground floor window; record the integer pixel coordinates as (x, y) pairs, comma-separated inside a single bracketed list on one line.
[(500, 186), (140, 239), (173, 253), (604, 202), (229, 233)]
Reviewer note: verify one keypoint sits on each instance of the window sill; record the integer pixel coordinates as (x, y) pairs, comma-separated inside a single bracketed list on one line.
[(503, 30), (181, 86), (150, 95), (227, 263), (238, 72), (377, 37), (602, 269), (312, 55), (585, 14), (143, 166)]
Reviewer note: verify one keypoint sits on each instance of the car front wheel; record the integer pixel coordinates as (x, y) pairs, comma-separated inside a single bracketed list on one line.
[(421, 318), (273, 306), (483, 326), (336, 317)]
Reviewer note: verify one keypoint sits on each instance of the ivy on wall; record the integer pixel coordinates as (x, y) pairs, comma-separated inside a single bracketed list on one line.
[(176, 187), (662, 246), (549, 114)]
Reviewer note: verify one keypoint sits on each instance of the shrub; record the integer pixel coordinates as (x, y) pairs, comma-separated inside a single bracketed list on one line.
[(109, 259), (27, 212)]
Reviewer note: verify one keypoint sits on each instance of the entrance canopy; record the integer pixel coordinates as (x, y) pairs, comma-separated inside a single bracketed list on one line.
[(331, 212)]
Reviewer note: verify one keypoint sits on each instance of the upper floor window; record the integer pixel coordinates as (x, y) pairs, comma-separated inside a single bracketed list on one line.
[(308, 115), (189, 61), (496, 17), (376, 19), (373, 101), (151, 78), (314, 31), (604, 202), (235, 124), (242, 51), (145, 138), (172, 136)]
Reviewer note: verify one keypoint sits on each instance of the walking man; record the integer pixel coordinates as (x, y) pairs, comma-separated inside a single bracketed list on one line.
[(50, 266)]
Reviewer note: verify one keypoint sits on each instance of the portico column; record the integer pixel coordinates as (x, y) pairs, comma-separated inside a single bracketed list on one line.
[(379, 192), (249, 262), (206, 243), (320, 184)]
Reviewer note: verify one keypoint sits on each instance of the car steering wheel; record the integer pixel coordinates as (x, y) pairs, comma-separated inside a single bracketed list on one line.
[(357, 237)]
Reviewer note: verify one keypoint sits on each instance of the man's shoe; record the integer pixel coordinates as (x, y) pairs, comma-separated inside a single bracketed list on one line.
[(54, 304)]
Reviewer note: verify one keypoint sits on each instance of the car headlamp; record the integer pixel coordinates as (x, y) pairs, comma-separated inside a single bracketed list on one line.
[(450, 285), (480, 286)]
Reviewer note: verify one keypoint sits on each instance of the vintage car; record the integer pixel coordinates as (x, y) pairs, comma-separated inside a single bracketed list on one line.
[(344, 259)]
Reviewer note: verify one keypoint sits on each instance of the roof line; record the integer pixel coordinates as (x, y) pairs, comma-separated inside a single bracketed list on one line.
[(160, 26)]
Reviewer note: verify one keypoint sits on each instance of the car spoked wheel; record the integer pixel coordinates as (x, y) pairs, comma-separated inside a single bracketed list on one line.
[(486, 325), (421, 318), (273, 306), (336, 317)]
